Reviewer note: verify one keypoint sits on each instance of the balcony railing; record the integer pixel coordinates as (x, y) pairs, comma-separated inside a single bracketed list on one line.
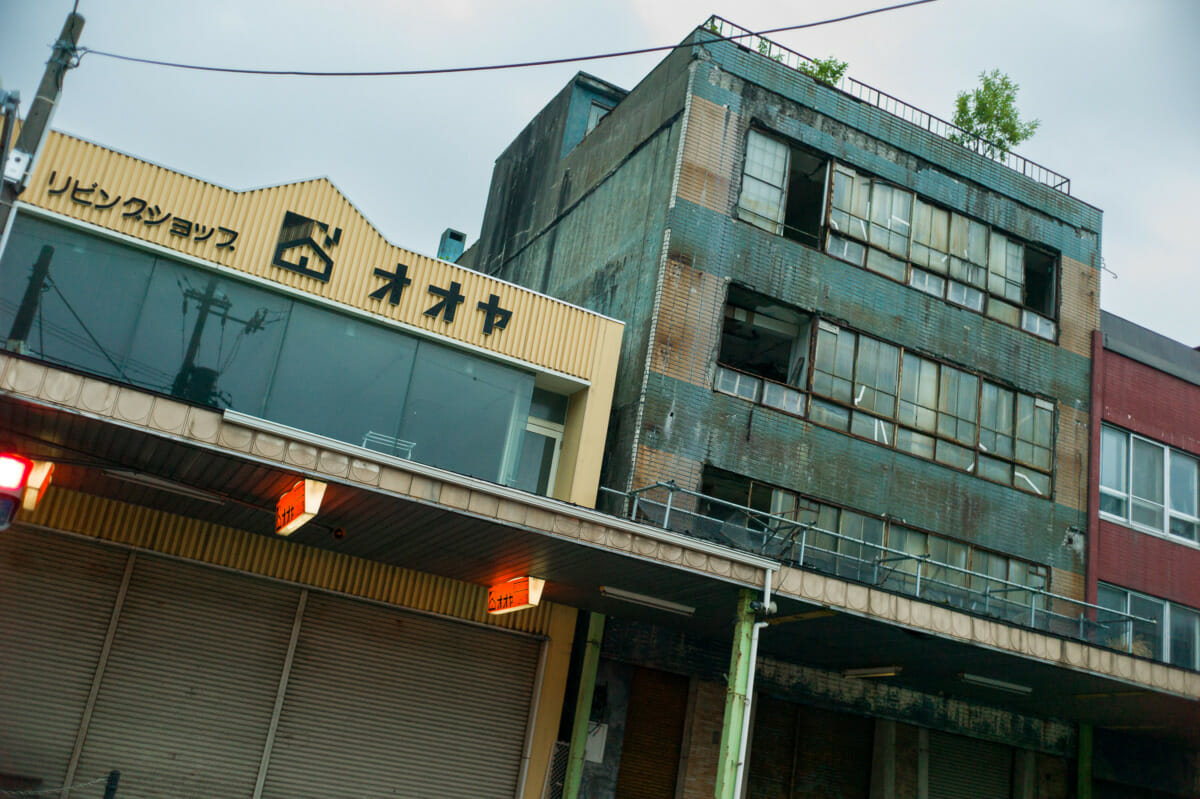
[(894, 106), (807, 546)]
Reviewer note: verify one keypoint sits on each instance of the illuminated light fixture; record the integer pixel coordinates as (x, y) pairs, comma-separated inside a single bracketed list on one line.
[(515, 594), (298, 505), (14, 474), (39, 481), (150, 481), (646, 601), (999, 685), (873, 671)]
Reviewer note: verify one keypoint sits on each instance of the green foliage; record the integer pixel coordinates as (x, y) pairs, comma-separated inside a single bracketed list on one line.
[(764, 48), (826, 70), (990, 112)]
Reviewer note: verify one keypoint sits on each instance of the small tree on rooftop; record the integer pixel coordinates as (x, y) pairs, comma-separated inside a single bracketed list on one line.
[(989, 112), (826, 70)]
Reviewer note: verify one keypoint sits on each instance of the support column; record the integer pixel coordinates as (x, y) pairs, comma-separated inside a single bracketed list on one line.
[(1083, 767), (735, 699), (583, 705)]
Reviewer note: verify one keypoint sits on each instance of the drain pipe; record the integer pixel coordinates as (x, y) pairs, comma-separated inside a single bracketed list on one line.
[(766, 608)]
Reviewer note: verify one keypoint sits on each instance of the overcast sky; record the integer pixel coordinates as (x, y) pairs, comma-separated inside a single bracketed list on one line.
[(1113, 82)]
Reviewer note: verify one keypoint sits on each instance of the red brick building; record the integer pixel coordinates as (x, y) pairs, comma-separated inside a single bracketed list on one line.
[(1144, 551)]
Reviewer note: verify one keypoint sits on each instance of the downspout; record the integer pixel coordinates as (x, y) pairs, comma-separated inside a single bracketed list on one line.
[(739, 775)]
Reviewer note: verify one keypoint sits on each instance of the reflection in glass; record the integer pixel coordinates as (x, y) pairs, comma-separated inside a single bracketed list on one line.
[(116, 311), (466, 414), (343, 378), (77, 301)]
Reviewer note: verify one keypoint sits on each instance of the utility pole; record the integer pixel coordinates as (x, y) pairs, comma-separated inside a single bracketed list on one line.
[(18, 164)]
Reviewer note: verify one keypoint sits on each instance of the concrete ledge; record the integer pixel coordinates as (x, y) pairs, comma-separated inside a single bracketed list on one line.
[(946, 622)]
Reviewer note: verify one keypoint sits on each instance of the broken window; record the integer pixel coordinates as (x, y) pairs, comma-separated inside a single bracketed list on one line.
[(876, 391), (783, 189), (871, 210), (888, 230), (865, 386), (764, 351), (958, 395), (996, 433), (754, 514), (858, 371)]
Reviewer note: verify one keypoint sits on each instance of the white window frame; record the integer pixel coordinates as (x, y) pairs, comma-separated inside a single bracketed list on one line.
[(553, 431), (1128, 497)]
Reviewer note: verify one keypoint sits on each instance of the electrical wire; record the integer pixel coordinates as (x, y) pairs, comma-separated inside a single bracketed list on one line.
[(483, 68), (48, 791)]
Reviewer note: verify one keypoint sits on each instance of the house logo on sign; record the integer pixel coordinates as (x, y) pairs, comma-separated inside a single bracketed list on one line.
[(300, 241)]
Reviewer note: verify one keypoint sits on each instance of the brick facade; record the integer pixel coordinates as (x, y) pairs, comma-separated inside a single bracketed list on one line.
[(1141, 399)]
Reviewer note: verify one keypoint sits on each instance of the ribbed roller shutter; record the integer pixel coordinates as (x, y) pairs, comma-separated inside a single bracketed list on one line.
[(56, 600), (772, 749), (801, 751), (187, 697), (653, 735), (967, 768), (386, 703)]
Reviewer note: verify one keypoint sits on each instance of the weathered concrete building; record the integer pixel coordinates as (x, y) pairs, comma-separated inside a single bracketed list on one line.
[(190, 357), (865, 349)]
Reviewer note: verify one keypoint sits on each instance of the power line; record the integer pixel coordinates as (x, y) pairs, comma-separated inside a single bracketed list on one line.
[(484, 68)]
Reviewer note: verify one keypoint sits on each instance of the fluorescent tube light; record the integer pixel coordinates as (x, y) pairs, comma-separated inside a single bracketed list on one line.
[(999, 685), (150, 481), (646, 601), (873, 671)]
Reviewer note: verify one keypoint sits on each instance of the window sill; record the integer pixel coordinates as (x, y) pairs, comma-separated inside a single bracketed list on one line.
[(1138, 528)]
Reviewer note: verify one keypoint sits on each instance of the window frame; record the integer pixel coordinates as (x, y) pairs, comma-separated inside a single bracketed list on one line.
[(1169, 513), (991, 273), (805, 396), (789, 396), (924, 431), (1164, 640)]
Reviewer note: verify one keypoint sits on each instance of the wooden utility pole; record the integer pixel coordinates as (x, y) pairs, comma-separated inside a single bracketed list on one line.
[(18, 164)]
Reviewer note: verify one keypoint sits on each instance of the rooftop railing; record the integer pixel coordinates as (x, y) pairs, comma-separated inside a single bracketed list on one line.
[(807, 546), (893, 105)]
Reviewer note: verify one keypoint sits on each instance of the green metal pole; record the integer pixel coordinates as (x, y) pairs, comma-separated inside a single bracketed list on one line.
[(1083, 771), (583, 705), (735, 699)]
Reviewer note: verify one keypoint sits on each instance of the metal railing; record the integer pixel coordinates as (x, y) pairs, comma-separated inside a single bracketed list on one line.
[(893, 105), (807, 546)]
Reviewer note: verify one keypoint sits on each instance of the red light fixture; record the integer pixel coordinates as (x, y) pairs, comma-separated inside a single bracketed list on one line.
[(14, 474)]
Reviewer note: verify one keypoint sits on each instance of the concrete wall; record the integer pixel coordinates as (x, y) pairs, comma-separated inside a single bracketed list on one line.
[(590, 225), (685, 425)]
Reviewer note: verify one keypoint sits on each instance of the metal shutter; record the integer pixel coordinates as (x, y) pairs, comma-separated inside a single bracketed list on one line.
[(56, 600), (833, 758), (653, 735), (187, 697), (381, 702), (967, 768), (802, 751), (772, 749)]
